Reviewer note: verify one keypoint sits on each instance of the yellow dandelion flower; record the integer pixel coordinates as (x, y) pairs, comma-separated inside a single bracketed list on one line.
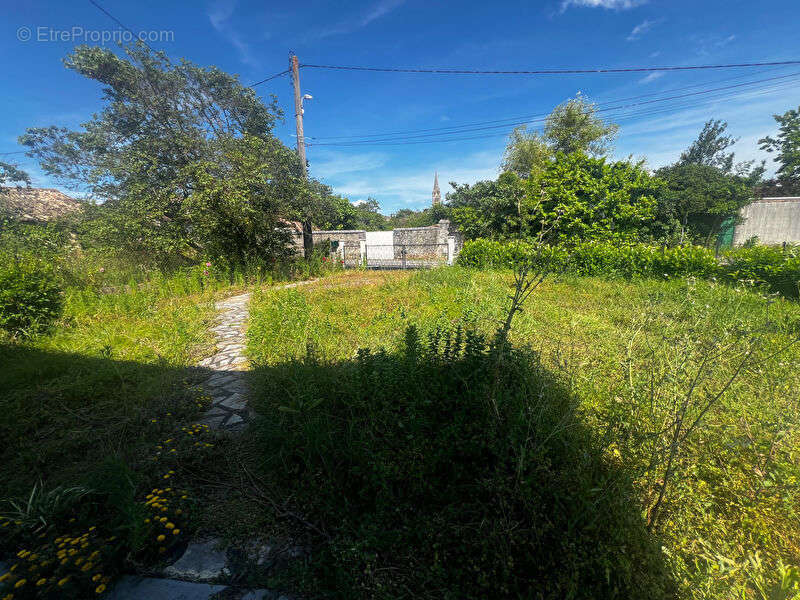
[(5, 576), (100, 588), (41, 582), (96, 577), (170, 526), (20, 583), (176, 531), (161, 538), (63, 581), (162, 550), (86, 567), (64, 561)]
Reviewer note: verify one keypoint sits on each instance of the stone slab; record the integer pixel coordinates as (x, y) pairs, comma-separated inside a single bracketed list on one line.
[(201, 562), (150, 588)]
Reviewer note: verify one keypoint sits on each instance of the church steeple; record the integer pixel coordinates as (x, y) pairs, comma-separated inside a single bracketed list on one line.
[(436, 196)]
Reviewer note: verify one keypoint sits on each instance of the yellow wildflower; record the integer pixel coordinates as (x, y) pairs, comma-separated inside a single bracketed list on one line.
[(63, 581), (42, 581), (20, 583), (100, 588), (161, 538)]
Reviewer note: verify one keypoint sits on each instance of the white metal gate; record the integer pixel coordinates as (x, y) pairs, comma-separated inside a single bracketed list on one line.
[(380, 244)]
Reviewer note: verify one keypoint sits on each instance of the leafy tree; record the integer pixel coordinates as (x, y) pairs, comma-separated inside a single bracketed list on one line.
[(527, 152), (709, 147), (489, 209), (575, 127), (787, 146), (166, 131), (11, 174), (572, 127), (586, 198), (699, 198), (406, 217)]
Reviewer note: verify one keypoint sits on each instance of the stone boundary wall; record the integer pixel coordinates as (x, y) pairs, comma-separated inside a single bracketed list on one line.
[(773, 220), (419, 241)]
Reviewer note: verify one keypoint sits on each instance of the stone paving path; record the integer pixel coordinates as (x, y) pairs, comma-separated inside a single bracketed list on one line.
[(228, 381)]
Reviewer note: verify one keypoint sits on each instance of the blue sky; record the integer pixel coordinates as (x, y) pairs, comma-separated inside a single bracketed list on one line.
[(253, 39)]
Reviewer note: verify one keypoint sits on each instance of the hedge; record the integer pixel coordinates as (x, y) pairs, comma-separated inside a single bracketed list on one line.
[(778, 270)]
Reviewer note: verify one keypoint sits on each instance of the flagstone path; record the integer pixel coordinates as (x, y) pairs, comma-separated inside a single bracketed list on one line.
[(228, 380)]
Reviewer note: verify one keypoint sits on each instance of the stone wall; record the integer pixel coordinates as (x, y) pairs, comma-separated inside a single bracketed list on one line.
[(418, 242), (773, 220), (423, 241)]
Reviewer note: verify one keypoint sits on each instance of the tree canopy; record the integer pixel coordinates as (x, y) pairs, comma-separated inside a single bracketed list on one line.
[(182, 156), (787, 147), (571, 127)]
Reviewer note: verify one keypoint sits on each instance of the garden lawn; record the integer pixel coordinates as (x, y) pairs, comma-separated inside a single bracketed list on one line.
[(729, 523), (88, 392)]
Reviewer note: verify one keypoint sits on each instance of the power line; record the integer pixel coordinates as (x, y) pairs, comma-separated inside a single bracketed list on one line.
[(128, 29), (284, 72), (620, 107), (513, 120), (438, 71), (120, 23), (623, 116)]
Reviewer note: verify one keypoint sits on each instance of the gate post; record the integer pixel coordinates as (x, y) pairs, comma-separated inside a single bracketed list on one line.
[(403, 257), (451, 250), (362, 253)]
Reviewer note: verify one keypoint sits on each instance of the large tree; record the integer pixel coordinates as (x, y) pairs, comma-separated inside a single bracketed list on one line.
[(12, 174), (700, 198), (168, 129), (710, 147), (575, 127), (572, 127), (584, 198), (787, 147)]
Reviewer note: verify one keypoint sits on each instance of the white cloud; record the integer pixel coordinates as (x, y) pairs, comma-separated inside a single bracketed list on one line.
[(409, 186), (219, 15), (333, 163), (607, 4), (652, 77), (641, 29), (373, 12)]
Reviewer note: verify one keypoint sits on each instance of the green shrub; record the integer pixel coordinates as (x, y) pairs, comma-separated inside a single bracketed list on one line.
[(595, 258), (30, 298), (778, 269), (451, 469)]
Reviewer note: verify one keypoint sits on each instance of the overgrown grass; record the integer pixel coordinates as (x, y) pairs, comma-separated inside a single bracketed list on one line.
[(113, 362), (729, 520)]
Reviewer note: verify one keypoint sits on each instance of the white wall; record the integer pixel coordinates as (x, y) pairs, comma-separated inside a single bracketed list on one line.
[(773, 220)]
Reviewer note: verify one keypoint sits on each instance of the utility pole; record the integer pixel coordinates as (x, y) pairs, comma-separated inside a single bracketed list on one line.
[(308, 239)]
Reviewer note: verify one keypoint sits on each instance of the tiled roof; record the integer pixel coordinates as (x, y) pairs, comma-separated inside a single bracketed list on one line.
[(36, 205)]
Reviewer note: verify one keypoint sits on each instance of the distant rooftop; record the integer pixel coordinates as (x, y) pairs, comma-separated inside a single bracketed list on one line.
[(36, 205)]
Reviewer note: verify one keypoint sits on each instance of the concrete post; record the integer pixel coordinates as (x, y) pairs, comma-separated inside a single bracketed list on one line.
[(451, 250), (362, 253)]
